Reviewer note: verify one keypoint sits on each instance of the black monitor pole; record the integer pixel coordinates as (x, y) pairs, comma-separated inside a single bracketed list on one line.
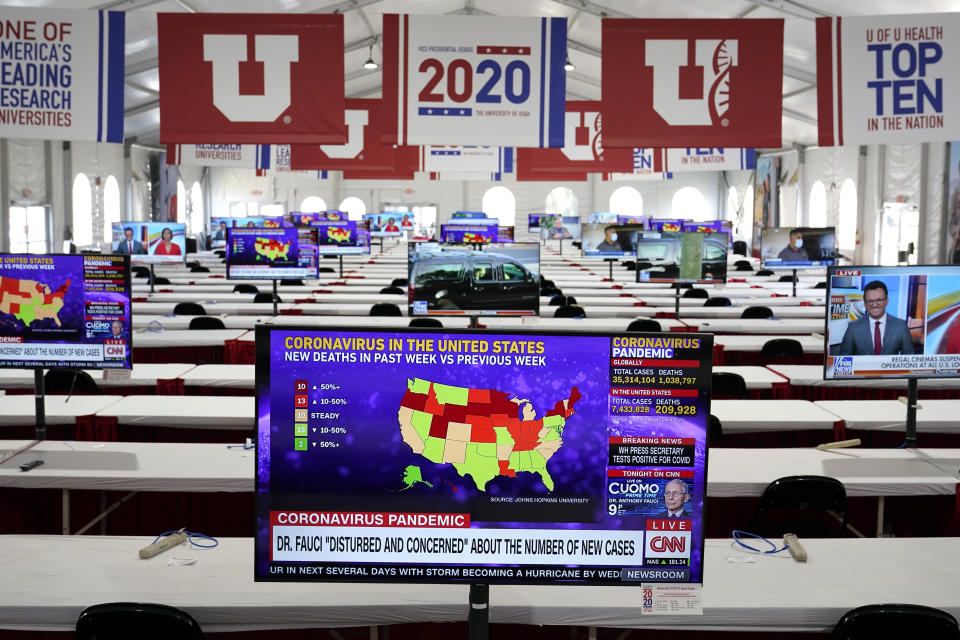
[(152, 277), (341, 266), (41, 413), (676, 301), (276, 297), (911, 439), (794, 283), (611, 261), (478, 619), (474, 324)]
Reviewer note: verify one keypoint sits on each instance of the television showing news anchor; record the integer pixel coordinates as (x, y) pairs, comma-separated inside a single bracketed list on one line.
[(877, 333)]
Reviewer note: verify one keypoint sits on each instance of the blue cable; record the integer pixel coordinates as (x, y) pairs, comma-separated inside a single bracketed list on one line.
[(190, 536), (773, 548)]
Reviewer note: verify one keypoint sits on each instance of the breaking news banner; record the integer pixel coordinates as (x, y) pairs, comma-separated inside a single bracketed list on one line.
[(246, 156), (887, 79), (438, 456), (474, 80), (672, 83), (62, 74), (703, 159), (259, 78)]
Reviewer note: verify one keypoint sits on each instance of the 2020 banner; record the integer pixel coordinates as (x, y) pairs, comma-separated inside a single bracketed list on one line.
[(674, 83), (62, 74), (888, 79), (246, 156), (703, 159), (251, 78), (474, 80)]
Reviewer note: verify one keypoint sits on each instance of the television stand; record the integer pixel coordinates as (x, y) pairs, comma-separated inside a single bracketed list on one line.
[(910, 442), (474, 322), (478, 618)]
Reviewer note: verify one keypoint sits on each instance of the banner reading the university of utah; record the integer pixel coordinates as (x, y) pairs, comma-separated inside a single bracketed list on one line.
[(675, 83), (888, 79), (460, 80), (451, 167), (363, 149), (584, 148), (246, 156), (61, 74), (703, 159), (251, 78)]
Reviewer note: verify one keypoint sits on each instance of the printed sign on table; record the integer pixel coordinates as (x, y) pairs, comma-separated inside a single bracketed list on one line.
[(703, 159), (62, 74), (673, 83), (474, 80), (251, 78), (887, 79), (246, 156)]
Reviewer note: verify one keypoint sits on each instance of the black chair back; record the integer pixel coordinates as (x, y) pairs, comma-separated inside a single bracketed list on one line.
[(764, 272), (788, 278), (881, 621), (189, 309), (139, 271), (719, 301), (291, 282), (779, 349), (70, 382), (158, 280), (644, 325), (550, 291), (820, 285), (266, 297), (560, 300), (696, 293), (396, 291), (740, 247), (802, 505), (245, 287), (325, 270), (199, 268), (220, 253), (385, 309), (399, 282), (124, 620), (206, 322), (757, 312), (570, 311), (743, 265), (728, 385), (425, 322)]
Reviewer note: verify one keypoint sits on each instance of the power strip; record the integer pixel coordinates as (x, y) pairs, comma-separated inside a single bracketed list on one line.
[(793, 545), (162, 544)]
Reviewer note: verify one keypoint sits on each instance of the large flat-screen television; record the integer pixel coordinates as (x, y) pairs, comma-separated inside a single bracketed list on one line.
[(682, 256), (628, 219), (220, 224), (611, 240), (798, 247), (273, 253), (599, 217), (65, 311), (661, 224), (454, 456), (505, 234), (919, 331), (533, 221), (341, 238), (456, 279), (557, 227), (304, 219), (468, 233), (159, 242), (384, 225)]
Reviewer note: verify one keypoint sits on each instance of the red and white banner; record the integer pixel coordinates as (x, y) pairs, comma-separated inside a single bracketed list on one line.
[(474, 80), (461, 159), (251, 78), (703, 159), (363, 149), (888, 79), (674, 83), (61, 74), (643, 161), (583, 150), (280, 163), (246, 156)]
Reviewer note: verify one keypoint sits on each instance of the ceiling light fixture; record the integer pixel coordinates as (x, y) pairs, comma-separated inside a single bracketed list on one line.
[(567, 65), (370, 64)]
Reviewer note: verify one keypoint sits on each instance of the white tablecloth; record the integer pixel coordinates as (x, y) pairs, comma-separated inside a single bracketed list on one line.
[(141, 375), (759, 416), (230, 376), (811, 375), (192, 412), (757, 326), (933, 416), (754, 377), (754, 343), (185, 338), (20, 410)]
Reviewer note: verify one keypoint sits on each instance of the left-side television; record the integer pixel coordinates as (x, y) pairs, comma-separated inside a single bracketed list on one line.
[(65, 311), (159, 242), (272, 253)]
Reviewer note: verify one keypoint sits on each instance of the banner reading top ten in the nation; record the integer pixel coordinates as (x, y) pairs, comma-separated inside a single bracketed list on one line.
[(61, 74)]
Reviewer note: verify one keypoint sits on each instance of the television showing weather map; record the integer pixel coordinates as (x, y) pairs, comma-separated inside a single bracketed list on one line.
[(272, 254), (342, 237), (469, 233), (65, 311), (502, 457)]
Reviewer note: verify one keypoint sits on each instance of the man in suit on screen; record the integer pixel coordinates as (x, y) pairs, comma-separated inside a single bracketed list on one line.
[(877, 333), (128, 245), (675, 499)]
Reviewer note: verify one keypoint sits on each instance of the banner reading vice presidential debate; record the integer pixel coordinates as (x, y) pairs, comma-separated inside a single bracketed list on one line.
[(61, 74)]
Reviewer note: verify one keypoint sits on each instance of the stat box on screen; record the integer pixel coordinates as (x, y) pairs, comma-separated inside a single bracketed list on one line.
[(504, 457)]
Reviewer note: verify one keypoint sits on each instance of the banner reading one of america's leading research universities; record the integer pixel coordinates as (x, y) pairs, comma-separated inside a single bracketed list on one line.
[(888, 79), (677, 83), (61, 74), (246, 156), (461, 80), (251, 78)]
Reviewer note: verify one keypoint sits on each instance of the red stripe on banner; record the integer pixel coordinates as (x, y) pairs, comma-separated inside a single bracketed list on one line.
[(839, 87), (505, 51), (406, 78), (824, 82), (390, 75)]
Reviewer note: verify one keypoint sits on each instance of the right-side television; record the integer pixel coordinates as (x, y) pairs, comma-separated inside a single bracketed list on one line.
[(271, 253), (893, 322), (682, 256), (468, 233), (456, 279), (344, 237), (798, 247)]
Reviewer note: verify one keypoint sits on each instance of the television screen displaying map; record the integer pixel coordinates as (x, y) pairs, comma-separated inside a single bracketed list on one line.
[(272, 253), (341, 237), (65, 311), (430, 455)]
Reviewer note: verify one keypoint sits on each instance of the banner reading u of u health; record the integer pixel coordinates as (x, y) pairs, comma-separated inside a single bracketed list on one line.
[(61, 74), (703, 159), (474, 80), (674, 83), (247, 156), (251, 78), (888, 79)]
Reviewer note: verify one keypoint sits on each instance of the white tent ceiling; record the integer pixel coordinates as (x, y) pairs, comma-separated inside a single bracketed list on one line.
[(362, 22)]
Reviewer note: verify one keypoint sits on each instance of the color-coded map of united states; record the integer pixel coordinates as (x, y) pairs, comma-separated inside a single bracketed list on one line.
[(338, 234), (483, 433), (29, 300), (271, 249)]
